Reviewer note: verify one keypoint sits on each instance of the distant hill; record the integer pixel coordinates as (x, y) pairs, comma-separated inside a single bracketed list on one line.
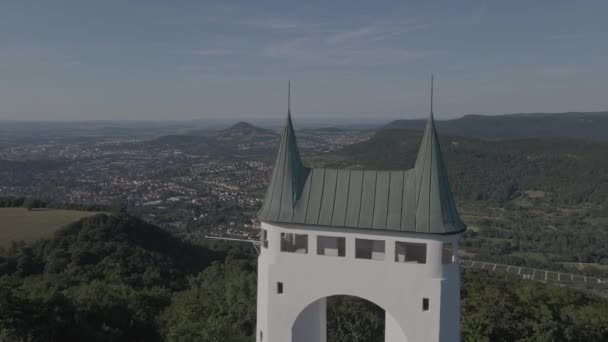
[(244, 131), (576, 125), (228, 142)]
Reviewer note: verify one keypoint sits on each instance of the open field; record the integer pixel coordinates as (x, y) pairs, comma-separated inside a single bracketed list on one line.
[(20, 224)]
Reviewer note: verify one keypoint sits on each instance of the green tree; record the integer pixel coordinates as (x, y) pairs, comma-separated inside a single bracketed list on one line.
[(218, 306), (28, 204), (351, 319)]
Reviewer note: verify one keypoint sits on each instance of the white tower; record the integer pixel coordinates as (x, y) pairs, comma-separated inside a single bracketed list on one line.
[(390, 237)]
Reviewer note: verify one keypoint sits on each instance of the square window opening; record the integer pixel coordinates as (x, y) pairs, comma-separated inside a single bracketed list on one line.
[(369, 249), (294, 243), (425, 304), (264, 238), (410, 252), (331, 246), (279, 287)]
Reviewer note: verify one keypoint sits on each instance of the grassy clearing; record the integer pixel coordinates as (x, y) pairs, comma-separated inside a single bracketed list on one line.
[(541, 257), (535, 193), (20, 224)]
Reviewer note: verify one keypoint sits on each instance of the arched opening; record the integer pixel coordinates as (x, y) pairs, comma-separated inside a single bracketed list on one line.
[(354, 319), (344, 318)]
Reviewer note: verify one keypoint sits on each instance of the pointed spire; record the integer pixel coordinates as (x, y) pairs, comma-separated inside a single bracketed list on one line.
[(288, 175), (431, 96), (435, 208)]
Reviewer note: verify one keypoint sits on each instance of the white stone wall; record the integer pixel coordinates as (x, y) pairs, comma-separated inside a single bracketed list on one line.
[(398, 288)]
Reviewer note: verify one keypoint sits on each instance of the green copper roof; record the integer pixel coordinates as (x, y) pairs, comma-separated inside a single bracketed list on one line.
[(418, 200), (288, 178)]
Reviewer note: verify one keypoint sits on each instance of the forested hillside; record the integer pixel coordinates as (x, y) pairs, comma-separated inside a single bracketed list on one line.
[(534, 202), (116, 278), (102, 278), (571, 171)]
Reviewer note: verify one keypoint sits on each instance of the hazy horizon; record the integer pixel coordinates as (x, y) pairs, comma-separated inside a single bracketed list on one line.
[(280, 117), (205, 60)]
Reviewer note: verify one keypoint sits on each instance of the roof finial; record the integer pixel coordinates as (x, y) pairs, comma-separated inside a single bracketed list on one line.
[(432, 76), (289, 97)]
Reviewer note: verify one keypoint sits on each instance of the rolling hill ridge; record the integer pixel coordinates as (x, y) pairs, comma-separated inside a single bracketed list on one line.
[(573, 125)]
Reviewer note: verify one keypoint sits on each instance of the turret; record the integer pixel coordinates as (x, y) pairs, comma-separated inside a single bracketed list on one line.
[(288, 177), (431, 205)]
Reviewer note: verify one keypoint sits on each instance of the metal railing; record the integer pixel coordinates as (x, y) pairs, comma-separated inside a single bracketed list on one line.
[(547, 276)]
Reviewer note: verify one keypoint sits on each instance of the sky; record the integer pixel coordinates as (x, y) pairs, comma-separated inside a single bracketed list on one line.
[(349, 60)]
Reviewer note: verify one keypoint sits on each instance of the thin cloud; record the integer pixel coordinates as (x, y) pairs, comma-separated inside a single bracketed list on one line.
[(566, 36), (211, 52), (479, 12), (562, 70), (310, 52), (362, 32), (363, 46), (274, 23), (187, 68), (372, 33)]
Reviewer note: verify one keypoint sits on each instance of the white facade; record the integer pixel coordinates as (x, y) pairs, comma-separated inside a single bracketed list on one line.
[(421, 297)]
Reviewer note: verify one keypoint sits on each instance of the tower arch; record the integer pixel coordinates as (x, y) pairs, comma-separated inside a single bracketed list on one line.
[(393, 331), (390, 237)]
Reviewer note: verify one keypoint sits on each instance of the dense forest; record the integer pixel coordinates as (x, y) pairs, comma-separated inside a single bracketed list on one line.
[(116, 278)]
